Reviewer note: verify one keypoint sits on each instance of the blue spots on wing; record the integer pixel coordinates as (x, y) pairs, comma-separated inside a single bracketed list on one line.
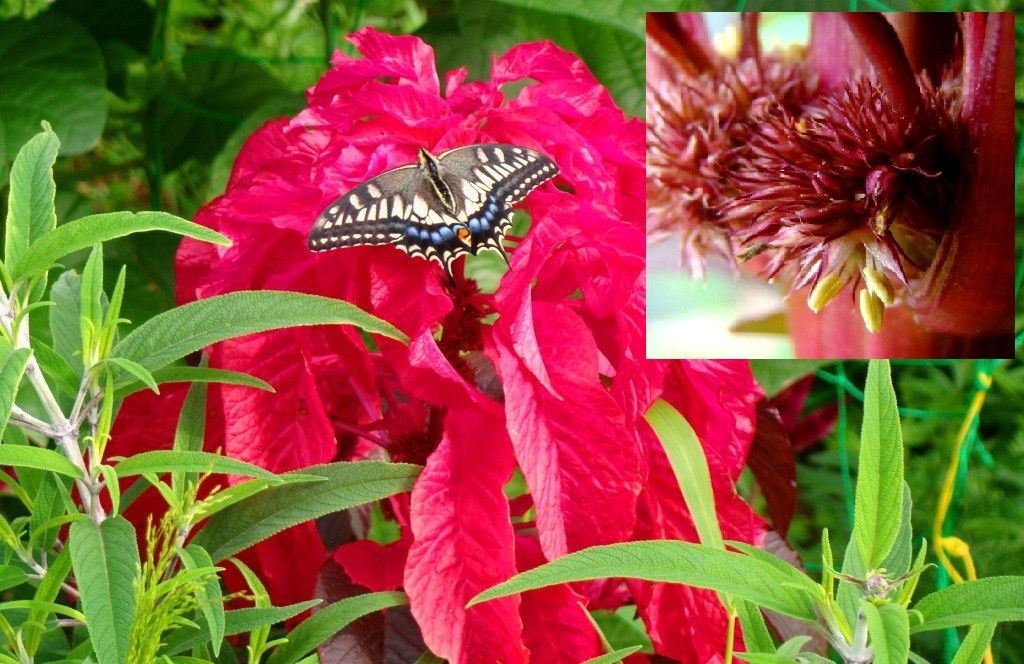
[(447, 234)]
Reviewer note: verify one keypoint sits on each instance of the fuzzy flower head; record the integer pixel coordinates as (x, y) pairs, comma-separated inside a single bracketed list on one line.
[(871, 178), (856, 192), (701, 108)]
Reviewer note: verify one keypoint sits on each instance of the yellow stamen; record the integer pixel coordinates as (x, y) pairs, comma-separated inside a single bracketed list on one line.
[(826, 289), (871, 310), (879, 284), (880, 220)]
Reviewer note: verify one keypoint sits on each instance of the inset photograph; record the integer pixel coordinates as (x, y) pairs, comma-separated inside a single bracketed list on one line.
[(824, 185)]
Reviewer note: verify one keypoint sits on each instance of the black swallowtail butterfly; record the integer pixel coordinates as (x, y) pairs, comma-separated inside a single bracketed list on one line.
[(439, 208)]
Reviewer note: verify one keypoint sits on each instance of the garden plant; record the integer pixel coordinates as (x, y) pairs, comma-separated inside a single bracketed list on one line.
[(219, 446)]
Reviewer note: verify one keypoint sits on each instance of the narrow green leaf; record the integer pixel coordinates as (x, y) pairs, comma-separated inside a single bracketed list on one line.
[(992, 599), (105, 558), (174, 334), (668, 561), (190, 431), (879, 495), (184, 374), (686, 456), (87, 231), (756, 636), (11, 577), (889, 631), (46, 593), (48, 607), (91, 301), (65, 321), (613, 656), (330, 620), (37, 457), (11, 371), (347, 484), (764, 658), (236, 493), (792, 647), (899, 558), (113, 487), (165, 461), (141, 373), (972, 649), (238, 621), (785, 571), (56, 369), (30, 207), (46, 504), (211, 602)]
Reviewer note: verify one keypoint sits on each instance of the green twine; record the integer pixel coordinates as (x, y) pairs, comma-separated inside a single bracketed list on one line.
[(844, 457)]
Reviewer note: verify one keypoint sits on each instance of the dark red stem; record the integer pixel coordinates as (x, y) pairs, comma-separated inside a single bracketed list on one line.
[(666, 32), (750, 45), (885, 54)]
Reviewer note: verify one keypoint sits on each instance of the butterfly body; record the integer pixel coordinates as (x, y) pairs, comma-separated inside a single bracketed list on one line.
[(440, 208)]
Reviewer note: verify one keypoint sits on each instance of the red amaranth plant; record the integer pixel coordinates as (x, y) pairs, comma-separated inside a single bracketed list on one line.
[(546, 374), (894, 179)]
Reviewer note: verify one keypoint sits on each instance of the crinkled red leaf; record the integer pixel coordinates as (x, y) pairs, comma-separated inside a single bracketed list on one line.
[(463, 543)]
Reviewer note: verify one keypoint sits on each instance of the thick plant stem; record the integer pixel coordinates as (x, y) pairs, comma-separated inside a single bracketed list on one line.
[(60, 428)]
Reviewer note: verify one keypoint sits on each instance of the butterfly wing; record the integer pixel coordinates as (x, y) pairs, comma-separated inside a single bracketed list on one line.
[(401, 206), (375, 212), (492, 177)]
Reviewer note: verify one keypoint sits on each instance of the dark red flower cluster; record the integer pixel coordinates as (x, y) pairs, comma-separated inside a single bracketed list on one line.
[(547, 374)]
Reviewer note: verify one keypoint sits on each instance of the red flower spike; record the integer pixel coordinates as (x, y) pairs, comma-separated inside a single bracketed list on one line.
[(547, 373)]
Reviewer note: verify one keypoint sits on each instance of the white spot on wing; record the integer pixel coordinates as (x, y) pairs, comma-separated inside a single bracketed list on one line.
[(481, 155), (373, 190), (354, 200), (419, 206)]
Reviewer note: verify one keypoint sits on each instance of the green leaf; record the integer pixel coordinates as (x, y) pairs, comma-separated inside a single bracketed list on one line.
[(764, 658), (695, 565), (347, 484), (11, 577), (196, 461), (879, 496), (51, 69), (65, 321), (613, 656), (87, 231), (756, 636), (184, 374), (91, 300), (238, 621), (38, 457), (330, 620), (900, 556), (56, 369), (190, 433), (176, 333), (889, 629), (45, 594), (774, 376), (211, 601), (992, 599), (11, 371), (972, 649), (200, 110), (105, 558), (686, 456), (141, 373), (30, 207)]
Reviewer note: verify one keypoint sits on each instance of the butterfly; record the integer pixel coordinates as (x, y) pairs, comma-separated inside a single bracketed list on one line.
[(442, 207)]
